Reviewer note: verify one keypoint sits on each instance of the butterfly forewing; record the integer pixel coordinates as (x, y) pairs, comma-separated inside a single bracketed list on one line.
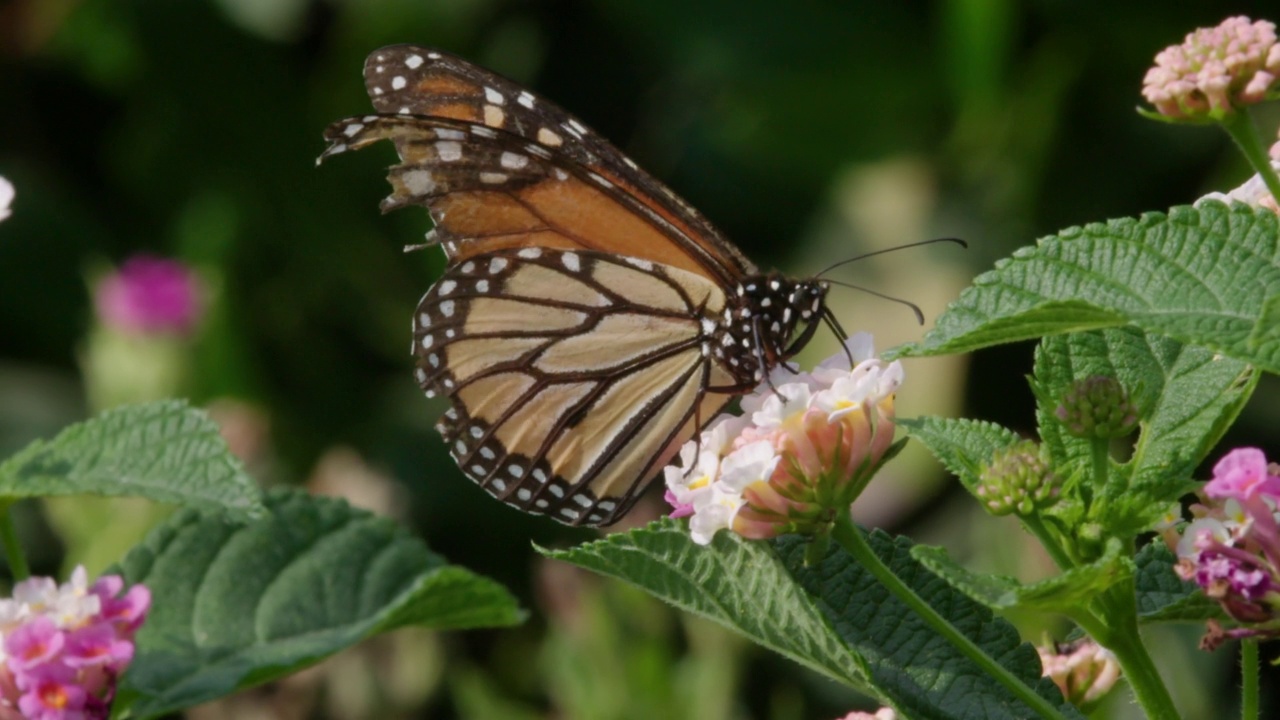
[(539, 417), (410, 80)]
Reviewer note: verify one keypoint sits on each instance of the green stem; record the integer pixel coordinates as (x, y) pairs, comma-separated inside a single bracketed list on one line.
[(1249, 670), (853, 541), (1242, 130), (1135, 662), (1036, 525), (12, 550)]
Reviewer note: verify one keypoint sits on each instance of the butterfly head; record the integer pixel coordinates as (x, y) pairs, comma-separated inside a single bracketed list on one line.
[(768, 320)]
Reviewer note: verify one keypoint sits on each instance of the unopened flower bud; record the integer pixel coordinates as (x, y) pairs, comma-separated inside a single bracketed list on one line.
[(1083, 670), (1214, 72), (1098, 407), (1017, 480)]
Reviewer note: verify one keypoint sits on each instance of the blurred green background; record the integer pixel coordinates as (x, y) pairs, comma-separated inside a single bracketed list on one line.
[(809, 131)]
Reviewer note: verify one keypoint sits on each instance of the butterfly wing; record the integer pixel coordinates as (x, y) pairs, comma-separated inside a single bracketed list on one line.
[(600, 195), (574, 376)]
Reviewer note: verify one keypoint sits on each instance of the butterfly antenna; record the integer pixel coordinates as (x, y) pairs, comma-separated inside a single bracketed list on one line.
[(914, 307), (895, 248), (829, 319)]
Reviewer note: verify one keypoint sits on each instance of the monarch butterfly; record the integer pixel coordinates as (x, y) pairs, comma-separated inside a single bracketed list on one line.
[(588, 320)]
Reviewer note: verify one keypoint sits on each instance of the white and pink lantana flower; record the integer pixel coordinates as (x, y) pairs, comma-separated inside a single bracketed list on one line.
[(804, 449)]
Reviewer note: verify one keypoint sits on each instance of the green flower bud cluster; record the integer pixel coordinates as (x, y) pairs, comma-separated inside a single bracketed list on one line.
[(1017, 480), (1098, 407)]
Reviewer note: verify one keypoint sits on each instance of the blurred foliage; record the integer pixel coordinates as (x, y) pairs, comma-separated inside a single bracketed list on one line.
[(809, 132)]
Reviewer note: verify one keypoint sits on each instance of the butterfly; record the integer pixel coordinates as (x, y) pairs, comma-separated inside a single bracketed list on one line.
[(588, 321)]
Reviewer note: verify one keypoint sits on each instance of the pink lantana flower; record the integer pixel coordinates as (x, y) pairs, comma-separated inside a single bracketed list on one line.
[(150, 295), (64, 646), (1231, 548), (1215, 71), (1083, 670), (805, 448)]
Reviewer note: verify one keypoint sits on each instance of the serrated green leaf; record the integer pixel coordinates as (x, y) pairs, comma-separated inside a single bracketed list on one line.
[(1207, 275), (837, 620), (1187, 397), (164, 451), (1165, 597), (1065, 593), (238, 604), (963, 446)]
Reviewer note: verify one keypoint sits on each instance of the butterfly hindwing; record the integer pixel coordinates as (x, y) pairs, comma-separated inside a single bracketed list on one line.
[(571, 375)]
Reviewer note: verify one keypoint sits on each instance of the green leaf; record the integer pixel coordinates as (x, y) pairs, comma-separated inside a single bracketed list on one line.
[(1206, 276), (1165, 597), (833, 618), (963, 446), (238, 604), (164, 451), (1066, 593), (1187, 396)]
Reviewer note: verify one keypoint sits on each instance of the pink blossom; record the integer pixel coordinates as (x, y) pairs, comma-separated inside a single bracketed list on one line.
[(1215, 70), (33, 644), (150, 295), (53, 694), (97, 645), (1243, 474)]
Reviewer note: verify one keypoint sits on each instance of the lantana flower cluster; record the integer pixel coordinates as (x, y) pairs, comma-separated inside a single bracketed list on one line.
[(1083, 670), (1215, 71), (65, 646), (1231, 548), (150, 295), (804, 448)]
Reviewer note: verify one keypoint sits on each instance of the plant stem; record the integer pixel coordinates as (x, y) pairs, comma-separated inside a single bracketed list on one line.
[(1249, 671), (1135, 662), (1242, 130), (855, 543), (12, 550)]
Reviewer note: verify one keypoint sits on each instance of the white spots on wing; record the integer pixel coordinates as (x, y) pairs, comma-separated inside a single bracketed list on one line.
[(379, 69), (498, 484), (540, 503), (484, 132), (560, 174), (460, 447), (530, 253), (513, 161), (468, 267), (450, 333), (398, 82), (450, 134), (420, 375), (478, 471), (766, 302), (434, 359), (413, 62), (433, 56), (482, 286), (493, 116), (571, 261), (549, 137), (497, 265), (630, 163), (539, 475), (599, 179), (494, 96), (447, 308), (352, 129), (786, 315), (570, 513), (524, 494), (404, 110), (376, 90), (639, 263), (447, 286), (487, 454), (477, 432), (424, 320), (708, 326), (582, 500), (449, 150), (427, 341), (556, 490), (493, 178), (419, 181), (538, 150), (516, 471), (525, 99), (574, 128)]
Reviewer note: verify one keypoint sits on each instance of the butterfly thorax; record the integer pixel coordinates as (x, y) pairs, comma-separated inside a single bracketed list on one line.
[(762, 324)]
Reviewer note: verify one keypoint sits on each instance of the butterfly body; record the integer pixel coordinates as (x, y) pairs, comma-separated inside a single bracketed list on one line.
[(588, 321)]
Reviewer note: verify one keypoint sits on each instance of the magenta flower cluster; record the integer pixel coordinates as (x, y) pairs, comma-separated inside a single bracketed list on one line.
[(1215, 71), (64, 647), (1232, 547), (150, 295)]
